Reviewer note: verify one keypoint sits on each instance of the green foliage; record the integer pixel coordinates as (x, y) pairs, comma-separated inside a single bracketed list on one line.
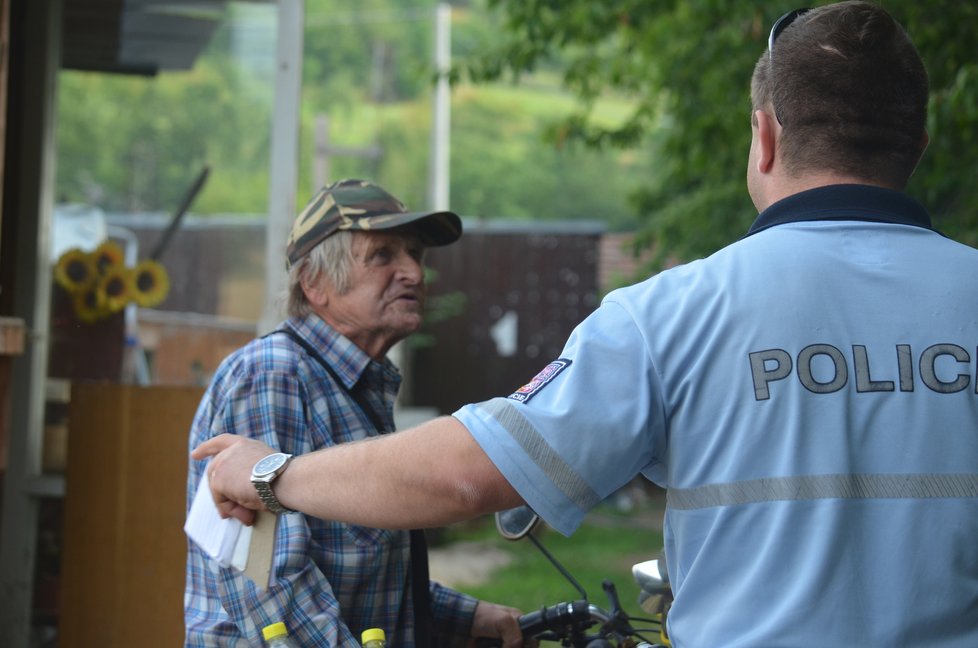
[(502, 168), (132, 143), (686, 66), (129, 143), (630, 112), (355, 52), (438, 308), (605, 547)]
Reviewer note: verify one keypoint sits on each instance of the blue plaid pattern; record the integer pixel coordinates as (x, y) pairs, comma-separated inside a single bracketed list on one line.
[(331, 581)]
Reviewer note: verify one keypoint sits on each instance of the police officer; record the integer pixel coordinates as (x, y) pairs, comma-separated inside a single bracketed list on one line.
[(807, 394)]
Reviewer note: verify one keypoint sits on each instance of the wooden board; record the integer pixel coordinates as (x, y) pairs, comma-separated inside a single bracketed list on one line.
[(125, 504)]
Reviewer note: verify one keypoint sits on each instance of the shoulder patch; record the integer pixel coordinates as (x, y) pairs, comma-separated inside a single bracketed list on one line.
[(530, 389)]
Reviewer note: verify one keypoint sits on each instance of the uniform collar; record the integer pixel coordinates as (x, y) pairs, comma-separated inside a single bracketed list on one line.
[(844, 202)]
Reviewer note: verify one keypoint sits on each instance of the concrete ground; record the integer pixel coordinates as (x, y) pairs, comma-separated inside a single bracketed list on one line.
[(462, 564)]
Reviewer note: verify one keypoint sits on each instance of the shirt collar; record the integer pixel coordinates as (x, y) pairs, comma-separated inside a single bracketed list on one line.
[(349, 360), (844, 202)]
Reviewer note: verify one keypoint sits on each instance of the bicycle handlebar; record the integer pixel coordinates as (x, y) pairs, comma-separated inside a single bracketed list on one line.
[(561, 619), (555, 618)]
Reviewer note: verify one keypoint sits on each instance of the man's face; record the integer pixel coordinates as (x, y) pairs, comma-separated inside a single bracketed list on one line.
[(385, 300)]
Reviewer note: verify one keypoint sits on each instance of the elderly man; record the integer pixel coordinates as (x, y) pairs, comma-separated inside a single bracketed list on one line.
[(807, 394), (356, 287)]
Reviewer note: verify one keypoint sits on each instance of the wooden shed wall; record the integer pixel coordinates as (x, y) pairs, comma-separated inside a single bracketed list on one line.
[(547, 279)]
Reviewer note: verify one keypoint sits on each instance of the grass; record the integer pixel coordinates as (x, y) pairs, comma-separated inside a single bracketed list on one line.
[(606, 546)]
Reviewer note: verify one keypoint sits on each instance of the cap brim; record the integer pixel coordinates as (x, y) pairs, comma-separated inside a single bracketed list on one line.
[(434, 228)]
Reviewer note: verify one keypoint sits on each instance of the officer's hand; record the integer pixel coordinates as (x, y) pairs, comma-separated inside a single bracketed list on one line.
[(229, 474)]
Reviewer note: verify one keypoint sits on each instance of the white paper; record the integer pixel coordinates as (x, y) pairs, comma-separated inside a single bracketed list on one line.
[(239, 557), (224, 540)]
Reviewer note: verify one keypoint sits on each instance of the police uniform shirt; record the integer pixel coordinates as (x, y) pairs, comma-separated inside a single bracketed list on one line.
[(808, 397)]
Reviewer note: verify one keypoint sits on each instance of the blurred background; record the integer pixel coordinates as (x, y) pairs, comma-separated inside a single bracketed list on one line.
[(155, 153)]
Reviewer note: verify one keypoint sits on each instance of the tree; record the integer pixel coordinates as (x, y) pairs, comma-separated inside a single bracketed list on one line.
[(135, 143), (687, 66)]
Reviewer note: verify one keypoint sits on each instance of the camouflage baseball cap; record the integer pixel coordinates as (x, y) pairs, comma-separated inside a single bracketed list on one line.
[(362, 205)]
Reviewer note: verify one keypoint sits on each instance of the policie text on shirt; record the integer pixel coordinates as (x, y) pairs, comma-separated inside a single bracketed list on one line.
[(823, 369)]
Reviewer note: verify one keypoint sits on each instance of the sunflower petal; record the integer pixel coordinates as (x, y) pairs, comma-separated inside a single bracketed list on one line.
[(150, 283), (115, 289), (108, 255), (88, 306), (75, 270)]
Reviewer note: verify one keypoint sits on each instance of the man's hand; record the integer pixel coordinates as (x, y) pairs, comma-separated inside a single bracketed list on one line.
[(229, 474), (497, 622)]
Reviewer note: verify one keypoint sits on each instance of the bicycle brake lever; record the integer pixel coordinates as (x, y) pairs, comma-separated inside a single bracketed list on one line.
[(612, 593)]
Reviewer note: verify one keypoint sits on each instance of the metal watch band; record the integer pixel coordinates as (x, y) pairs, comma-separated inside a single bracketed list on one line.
[(267, 496)]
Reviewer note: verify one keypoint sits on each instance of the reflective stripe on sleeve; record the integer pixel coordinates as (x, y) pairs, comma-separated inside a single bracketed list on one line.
[(870, 486), (542, 453)]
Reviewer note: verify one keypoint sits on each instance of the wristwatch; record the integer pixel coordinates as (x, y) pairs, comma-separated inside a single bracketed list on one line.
[(262, 476)]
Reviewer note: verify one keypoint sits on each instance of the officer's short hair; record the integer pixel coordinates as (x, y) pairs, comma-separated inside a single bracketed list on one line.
[(850, 91)]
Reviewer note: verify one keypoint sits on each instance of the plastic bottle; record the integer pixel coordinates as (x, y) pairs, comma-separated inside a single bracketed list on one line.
[(373, 638), (277, 636)]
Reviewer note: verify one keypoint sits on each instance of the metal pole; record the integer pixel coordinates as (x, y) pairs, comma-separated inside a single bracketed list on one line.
[(284, 171), (37, 71), (441, 121), (438, 168)]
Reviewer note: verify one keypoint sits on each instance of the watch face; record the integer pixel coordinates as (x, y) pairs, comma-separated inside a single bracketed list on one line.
[(270, 464)]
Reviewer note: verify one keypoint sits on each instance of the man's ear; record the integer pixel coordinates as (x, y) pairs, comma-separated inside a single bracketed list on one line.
[(316, 291), (767, 140)]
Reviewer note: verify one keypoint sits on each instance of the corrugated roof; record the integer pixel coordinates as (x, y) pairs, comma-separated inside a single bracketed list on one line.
[(137, 36)]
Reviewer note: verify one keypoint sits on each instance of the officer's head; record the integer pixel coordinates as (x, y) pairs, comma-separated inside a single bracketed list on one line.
[(848, 90)]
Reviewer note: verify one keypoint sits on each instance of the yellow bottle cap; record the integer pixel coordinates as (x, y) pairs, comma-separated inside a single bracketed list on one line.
[(373, 634), (275, 630)]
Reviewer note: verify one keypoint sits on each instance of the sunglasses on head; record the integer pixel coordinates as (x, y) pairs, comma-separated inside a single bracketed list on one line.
[(780, 25)]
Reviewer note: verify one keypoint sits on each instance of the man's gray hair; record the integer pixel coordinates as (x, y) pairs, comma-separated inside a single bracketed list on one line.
[(332, 258)]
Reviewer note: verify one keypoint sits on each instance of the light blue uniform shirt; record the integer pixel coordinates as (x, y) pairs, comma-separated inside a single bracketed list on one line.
[(807, 395)]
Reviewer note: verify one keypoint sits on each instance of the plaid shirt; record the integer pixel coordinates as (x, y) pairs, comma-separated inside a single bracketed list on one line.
[(330, 581)]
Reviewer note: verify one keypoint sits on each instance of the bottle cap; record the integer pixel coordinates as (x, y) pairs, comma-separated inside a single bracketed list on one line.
[(373, 634), (275, 630)]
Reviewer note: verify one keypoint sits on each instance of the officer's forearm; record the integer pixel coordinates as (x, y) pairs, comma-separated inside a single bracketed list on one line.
[(431, 475)]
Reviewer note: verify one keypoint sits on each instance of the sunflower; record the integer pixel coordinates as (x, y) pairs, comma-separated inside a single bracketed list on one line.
[(75, 270), (108, 255), (115, 288), (88, 306), (150, 283)]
